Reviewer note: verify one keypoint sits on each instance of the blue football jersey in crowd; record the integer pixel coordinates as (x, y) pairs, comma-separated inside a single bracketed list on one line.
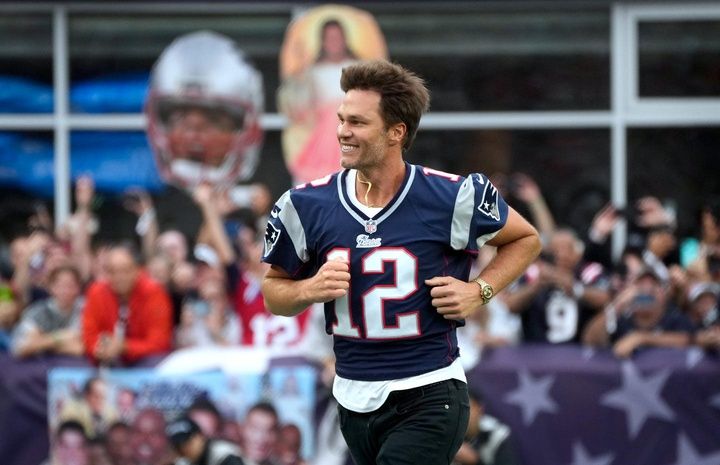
[(386, 327)]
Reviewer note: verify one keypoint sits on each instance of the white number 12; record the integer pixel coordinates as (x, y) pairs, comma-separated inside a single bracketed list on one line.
[(373, 300)]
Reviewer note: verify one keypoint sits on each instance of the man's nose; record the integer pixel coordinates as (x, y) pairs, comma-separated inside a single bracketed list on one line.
[(343, 130)]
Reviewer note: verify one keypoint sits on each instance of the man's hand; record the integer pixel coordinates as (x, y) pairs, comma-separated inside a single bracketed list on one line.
[(453, 298), (84, 192), (108, 348), (625, 347), (330, 282)]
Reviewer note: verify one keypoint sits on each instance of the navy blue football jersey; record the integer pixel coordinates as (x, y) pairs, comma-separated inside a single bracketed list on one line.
[(386, 327)]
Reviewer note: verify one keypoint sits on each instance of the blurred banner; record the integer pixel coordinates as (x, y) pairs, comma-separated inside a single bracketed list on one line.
[(317, 45), (115, 160), (143, 400), (566, 405), (572, 406)]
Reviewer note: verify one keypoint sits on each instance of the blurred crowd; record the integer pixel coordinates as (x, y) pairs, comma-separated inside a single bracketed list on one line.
[(131, 303)]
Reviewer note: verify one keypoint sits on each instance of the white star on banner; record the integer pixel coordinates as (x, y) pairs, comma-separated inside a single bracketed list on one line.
[(581, 457), (639, 397), (688, 455), (693, 356), (588, 352), (532, 396), (715, 400)]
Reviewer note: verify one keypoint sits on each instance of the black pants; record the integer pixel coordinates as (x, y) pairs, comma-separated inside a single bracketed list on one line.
[(423, 425)]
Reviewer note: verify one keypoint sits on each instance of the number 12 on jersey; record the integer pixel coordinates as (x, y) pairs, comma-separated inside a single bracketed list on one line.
[(400, 286)]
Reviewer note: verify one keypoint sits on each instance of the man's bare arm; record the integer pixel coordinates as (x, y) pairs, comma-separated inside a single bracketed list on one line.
[(287, 296)]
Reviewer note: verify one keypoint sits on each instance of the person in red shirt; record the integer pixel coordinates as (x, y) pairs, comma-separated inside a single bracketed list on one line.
[(128, 317)]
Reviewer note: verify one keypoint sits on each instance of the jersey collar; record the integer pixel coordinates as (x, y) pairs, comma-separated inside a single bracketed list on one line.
[(370, 224)]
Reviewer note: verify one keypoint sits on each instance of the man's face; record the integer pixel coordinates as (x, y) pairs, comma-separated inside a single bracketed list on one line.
[(119, 447), (122, 272), (71, 449), (361, 130), (564, 249), (649, 304), (148, 439), (207, 421), (200, 135), (65, 289), (259, 435), (96, 396)]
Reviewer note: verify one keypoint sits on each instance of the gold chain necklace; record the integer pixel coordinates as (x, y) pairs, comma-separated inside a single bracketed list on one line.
[(367, 192)]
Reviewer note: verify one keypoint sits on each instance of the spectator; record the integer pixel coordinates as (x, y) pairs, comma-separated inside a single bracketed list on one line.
[(703, 303), (260, 433), (705, 264), (52, 325), (147, 438), (526, 189), (487, 440), (119, 448), (129, 317), (92, 411), (70, 445), (125, 400), (195, 448), (98, 452), (9, 311), (260, 328), (558, 295), (80, 227), (207, 416), (640, 316), (287, 450), (660, 243), (208, 319)]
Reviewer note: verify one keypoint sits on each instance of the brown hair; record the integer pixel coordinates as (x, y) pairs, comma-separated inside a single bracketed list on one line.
[(65, 269), (403, 95)]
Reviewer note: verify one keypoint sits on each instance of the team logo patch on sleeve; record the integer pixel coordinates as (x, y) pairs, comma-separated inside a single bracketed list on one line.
[(489, 202), (272, 234)]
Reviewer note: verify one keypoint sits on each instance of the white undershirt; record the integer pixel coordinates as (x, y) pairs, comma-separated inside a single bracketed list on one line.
[(367, 396), (370, 212)]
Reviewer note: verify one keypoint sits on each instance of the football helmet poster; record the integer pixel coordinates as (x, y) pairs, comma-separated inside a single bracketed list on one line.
[(203, 111)]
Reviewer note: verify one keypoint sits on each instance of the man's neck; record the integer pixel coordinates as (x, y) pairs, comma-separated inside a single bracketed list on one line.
[(376, 187)]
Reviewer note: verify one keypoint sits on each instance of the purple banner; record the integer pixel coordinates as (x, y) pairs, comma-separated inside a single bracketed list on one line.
[(573, 406)]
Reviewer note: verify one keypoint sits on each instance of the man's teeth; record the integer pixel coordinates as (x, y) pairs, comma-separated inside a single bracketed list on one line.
[(346, 148)]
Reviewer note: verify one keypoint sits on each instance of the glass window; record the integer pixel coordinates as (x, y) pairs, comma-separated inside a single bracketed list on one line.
[(506, 58), (111, 51), (679, 58), (25, 63), (677, 165), (571, 167)]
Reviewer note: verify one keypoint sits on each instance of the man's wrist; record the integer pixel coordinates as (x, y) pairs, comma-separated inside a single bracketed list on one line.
[(486, 290)]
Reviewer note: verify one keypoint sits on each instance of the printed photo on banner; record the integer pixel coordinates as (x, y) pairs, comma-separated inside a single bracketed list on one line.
[(318, 44), (120, 416)]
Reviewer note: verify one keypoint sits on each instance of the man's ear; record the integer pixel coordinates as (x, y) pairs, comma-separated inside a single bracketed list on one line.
[(397, 133)]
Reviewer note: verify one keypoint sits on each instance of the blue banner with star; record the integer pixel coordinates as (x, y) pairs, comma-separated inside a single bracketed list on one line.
[(571, 406)]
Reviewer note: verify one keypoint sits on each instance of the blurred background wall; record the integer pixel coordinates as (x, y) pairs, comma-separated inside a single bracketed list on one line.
[(596, 100)]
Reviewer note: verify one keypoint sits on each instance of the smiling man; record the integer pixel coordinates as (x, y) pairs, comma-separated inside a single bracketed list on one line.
[(387, 246)]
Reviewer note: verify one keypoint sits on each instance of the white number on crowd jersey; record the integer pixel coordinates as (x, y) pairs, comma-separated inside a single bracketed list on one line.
[(561, 314)]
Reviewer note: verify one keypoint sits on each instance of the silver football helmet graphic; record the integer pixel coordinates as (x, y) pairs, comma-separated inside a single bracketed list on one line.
[(203, 111)]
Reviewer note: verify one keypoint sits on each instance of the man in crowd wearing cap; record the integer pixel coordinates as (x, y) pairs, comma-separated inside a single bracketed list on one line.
[(640, 316), (703, 303), (194, 448)]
